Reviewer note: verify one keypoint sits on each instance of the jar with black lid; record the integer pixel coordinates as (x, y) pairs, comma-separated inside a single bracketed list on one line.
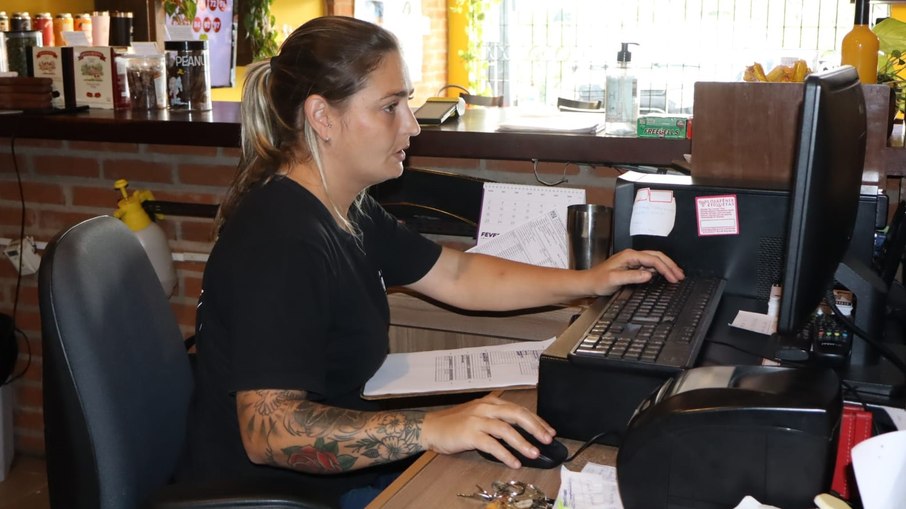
[(20, 22), (188, 75)]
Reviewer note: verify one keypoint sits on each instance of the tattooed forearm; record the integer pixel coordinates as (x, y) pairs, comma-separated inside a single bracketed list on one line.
[(283, 428)]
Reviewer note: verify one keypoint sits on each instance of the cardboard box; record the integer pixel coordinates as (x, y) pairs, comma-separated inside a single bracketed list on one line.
[(659, 125), (55, 63), (100, 82), (749, 131)]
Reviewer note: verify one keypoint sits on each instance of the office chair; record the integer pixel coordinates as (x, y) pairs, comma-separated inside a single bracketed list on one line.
[(118, 381), (572, 104), (476, 100)]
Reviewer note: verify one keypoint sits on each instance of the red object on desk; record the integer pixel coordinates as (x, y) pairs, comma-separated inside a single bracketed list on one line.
[(855, 426)]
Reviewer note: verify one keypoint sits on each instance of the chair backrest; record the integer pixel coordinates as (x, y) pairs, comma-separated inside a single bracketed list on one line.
[(482, 100), (574, 104), (117, 380)]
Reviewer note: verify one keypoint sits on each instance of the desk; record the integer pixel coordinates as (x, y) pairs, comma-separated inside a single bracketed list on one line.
[(434, 479)]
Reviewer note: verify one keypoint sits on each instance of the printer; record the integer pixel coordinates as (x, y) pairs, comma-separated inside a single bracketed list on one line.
[(712, 435)]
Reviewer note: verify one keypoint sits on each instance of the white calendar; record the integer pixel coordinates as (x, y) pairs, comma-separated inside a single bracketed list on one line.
[(506, 206)]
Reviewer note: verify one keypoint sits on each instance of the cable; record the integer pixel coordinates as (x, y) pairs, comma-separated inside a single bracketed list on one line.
[(21, 373), (16, 292), (592, 440)]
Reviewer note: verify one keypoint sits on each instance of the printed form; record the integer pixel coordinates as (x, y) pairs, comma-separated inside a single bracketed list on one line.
[(526, 223), (458, 370)]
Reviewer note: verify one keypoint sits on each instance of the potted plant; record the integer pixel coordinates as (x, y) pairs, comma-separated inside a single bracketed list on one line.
[(259, 27), (892, 58)]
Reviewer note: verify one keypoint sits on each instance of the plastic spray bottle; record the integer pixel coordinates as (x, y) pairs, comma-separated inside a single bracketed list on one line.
[(622, 108), (149, 233)]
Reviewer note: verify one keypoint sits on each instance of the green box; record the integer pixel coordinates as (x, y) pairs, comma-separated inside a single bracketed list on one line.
[(663, 126)]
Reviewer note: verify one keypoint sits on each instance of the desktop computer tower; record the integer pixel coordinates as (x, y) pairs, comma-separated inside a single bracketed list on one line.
[(582, 401), (751, 259)]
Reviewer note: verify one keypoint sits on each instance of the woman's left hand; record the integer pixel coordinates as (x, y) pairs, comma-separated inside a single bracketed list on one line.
[(632, 267)]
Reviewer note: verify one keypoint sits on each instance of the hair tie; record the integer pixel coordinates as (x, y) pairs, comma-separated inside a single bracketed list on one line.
[(273, 63)]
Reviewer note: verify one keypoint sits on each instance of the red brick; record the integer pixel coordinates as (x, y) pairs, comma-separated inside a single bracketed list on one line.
[(96, 196), (104, 146), (33, 347), (13, 215), (67, 166), (33, 192), (231, 152), (54, 221), (185, 314), (44, 144), (206, 175), (197, 231), (29, 418), (211, 198), (28, 294), (137, 171), (28, 320), (34, 372), (29, 394), (181, 150), (191, 286), (30, 442)]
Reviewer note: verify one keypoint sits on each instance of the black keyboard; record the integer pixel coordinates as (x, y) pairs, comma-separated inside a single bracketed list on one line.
[(656, 326)]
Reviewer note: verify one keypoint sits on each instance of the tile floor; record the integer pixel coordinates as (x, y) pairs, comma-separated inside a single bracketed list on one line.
[(25, 487)]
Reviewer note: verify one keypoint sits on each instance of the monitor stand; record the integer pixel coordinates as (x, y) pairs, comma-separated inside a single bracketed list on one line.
[(870, 374)]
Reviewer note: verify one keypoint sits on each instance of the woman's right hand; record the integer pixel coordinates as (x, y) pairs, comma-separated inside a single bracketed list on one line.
[(479, 423)]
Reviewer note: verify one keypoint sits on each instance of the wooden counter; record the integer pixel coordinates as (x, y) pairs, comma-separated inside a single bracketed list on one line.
[(434, 480), (474, 136)]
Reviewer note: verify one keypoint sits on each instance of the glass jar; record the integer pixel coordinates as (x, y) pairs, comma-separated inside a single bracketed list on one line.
[(188, 75), (20, 22), (62, 22), (146, 75), (16, 49)]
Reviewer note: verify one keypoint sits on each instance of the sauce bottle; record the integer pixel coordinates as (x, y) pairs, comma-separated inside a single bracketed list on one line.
[(860, 46)]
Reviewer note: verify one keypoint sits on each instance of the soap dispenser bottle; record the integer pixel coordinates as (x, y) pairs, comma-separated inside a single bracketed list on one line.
[(150, 234), (622, 88)]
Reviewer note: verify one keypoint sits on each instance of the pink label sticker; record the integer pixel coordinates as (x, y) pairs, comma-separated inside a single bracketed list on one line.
[(717, 215)]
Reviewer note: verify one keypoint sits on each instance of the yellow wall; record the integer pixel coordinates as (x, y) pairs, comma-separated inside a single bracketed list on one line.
[(51, 6), (456, 41), (289, 14), (898, 12)]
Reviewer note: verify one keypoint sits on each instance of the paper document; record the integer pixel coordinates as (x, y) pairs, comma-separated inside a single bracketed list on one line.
[(506, 206), (576, 123), (541, 241), (458, 370), (595, 487)]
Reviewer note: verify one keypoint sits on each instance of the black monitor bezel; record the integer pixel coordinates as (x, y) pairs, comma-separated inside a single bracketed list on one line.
[(824, 197)]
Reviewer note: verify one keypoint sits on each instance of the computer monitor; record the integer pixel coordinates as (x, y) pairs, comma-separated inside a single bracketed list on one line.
[(824, 197), (823, 207)]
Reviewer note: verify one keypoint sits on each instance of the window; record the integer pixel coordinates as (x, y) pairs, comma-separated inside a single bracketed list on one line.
[(540, 50)]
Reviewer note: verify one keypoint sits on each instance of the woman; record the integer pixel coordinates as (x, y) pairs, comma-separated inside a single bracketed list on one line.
[(293, 315)]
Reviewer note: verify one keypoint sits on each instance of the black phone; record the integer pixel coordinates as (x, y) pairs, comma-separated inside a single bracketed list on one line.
[(436, 112)]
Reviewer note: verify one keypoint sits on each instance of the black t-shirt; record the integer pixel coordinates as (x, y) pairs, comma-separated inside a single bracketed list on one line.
[(292, 301)]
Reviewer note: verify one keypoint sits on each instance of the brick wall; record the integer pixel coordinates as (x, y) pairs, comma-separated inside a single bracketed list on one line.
[(68, 181)]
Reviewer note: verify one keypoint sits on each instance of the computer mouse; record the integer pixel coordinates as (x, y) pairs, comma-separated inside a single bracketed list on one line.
[(552, 454)]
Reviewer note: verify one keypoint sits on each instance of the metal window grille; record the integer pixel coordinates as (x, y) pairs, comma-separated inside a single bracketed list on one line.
[(539, 50)]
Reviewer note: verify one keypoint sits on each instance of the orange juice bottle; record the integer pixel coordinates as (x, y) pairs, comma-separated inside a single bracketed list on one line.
[(860, 46)]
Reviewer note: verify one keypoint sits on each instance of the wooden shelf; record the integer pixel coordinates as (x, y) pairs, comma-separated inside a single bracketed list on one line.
[(474, 136)]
